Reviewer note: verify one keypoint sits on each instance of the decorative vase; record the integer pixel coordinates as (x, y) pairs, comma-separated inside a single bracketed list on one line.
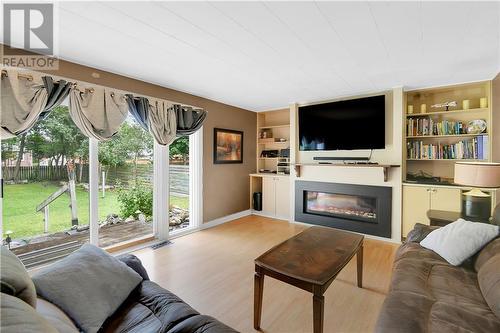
[(466, 104), (410, 109), (423, 108), (483, 102)]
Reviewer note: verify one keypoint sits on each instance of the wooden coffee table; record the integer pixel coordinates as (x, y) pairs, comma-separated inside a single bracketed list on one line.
[(310, 261)]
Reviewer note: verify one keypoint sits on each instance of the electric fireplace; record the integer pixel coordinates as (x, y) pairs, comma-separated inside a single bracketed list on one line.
[(360, 208)]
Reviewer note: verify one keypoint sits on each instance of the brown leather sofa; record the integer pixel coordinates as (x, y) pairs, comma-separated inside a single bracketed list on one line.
[(149, 308), (427, 294)]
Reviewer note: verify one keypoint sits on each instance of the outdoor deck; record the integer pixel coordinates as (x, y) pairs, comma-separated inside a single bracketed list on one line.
[(108, 235)]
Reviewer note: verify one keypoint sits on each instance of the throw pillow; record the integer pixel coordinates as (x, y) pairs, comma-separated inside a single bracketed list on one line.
[(89, 285), (459, 240)]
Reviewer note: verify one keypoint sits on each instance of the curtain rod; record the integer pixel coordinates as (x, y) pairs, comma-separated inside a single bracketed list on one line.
[(91, 90), (30, 78), (19, 75)]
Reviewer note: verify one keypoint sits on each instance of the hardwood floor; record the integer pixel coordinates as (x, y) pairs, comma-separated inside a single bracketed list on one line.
[(213, 271)]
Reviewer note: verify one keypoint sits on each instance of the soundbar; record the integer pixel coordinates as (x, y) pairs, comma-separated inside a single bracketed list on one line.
[(336, 158)]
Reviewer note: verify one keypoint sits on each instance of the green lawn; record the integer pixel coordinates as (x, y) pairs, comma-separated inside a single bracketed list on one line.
[(20, 202)]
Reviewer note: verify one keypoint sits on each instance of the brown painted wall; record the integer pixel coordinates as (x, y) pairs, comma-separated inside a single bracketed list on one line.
[(225, 187)]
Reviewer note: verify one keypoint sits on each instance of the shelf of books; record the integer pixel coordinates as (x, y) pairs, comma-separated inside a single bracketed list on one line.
[(447, 124), (475, 148)]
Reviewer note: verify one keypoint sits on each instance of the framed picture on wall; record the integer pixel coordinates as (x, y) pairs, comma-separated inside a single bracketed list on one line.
[(228, 146)]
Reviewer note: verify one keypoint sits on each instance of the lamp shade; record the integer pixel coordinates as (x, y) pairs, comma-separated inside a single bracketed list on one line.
[(477, 174)]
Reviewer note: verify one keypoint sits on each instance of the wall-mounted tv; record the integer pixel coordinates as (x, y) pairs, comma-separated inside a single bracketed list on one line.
[(343, 125)]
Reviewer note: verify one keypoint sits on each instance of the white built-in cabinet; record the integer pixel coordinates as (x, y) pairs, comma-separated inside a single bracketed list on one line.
[(276, 196), (417, 200), (275, 191)]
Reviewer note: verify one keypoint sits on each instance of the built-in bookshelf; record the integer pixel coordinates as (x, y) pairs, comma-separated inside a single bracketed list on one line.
[(273, 136), (434, 134)]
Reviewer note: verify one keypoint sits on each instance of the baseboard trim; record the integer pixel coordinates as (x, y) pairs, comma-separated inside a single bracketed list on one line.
[(260, 213), (225, 219)]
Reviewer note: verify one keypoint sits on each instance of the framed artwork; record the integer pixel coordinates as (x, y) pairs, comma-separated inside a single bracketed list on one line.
[(228, 146)]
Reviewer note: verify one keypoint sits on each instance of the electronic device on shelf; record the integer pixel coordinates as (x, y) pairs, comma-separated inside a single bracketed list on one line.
[(339, 158), (270, 153), (266, 171), (283, 166), (285, 152)]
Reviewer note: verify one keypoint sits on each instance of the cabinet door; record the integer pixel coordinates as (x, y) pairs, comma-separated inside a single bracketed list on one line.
[(268, 196), (446, 199), (283, 198), (416, 203)]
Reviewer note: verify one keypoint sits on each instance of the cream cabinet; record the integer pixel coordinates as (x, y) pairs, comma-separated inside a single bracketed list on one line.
[(276, 196), (268, 195), (417, 200)]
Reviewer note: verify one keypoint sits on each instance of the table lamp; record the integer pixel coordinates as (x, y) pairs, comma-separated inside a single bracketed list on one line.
[(476, 204)]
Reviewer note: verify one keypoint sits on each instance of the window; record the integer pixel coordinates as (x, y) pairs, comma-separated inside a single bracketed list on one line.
[(126, 185), (179, 212), (46, 198)]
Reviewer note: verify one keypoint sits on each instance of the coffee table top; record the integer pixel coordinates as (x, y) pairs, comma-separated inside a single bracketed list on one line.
[(315, 255)]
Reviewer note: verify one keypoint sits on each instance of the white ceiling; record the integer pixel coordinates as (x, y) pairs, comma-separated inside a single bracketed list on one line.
[(265, 55)]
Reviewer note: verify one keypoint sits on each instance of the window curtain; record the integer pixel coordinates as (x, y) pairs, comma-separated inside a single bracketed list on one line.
[(188, 119), (57, 91), (162, 122), (138, 107), (23, 101), (98, 112)]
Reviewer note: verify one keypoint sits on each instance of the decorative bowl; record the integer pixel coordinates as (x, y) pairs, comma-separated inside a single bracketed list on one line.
[(476, 126)]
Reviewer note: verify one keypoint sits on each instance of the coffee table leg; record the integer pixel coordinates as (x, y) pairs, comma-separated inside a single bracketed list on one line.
[(257, 301), (318, 313), (359, 259)]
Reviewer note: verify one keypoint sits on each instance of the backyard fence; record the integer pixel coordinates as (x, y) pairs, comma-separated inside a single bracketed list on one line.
[(124, 175)]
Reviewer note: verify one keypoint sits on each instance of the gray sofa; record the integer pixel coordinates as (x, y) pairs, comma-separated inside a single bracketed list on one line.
[(427, 294)]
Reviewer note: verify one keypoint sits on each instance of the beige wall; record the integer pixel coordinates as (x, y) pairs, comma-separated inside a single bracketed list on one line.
[(225, 187)]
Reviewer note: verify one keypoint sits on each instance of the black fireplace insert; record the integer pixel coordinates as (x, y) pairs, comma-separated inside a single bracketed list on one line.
[(359, 208)]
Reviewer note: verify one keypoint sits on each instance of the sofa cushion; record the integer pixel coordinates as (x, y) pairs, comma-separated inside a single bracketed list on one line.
[(489, 282), (459, 240), (88, 285), (55, 316), (17, 316), (135, 263), (14, 278), (151, 308), (493, 248)]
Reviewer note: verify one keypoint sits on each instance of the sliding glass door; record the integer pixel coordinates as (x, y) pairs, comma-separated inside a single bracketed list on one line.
[(126, 185)]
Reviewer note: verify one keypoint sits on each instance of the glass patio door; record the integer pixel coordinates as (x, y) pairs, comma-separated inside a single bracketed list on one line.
[(45, 192)]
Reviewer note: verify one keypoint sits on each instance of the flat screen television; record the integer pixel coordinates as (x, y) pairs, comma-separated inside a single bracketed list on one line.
[(343, 125)]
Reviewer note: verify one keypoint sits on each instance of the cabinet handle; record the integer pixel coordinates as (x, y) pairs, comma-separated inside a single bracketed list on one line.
[(428, 190)]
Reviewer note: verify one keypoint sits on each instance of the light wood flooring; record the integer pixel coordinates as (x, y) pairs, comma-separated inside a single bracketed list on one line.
[(213, 270)]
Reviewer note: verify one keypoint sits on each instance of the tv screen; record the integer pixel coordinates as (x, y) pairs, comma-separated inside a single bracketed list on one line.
[(343, 125)]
